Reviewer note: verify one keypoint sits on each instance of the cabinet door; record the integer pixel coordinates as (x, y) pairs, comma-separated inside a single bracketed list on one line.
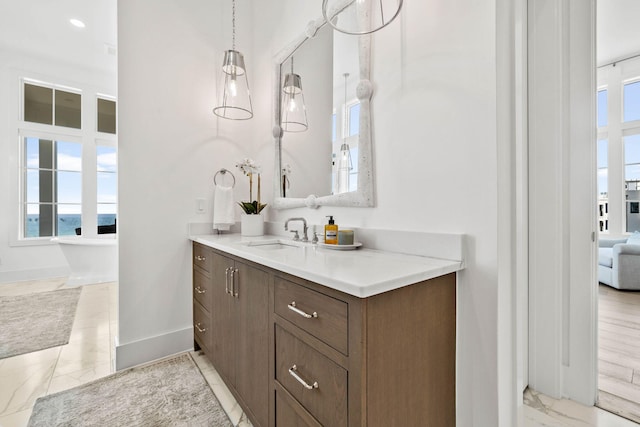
[(252, 346), (222, 318)]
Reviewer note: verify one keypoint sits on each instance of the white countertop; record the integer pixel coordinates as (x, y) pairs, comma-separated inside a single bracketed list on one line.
[(362, 272)]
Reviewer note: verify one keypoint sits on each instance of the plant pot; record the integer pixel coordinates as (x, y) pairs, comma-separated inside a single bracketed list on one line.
[(251, 225)]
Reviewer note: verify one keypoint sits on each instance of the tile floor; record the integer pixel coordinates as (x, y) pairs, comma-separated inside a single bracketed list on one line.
[(90, 355)]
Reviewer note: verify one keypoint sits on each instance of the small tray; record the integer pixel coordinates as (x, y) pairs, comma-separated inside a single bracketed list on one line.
[(341, 247)]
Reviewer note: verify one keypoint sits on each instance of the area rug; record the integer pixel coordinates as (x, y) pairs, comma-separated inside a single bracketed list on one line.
[(36, 321), (171, 392)]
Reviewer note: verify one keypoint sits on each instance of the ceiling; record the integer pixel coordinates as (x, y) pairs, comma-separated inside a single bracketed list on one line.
[(42, 28), (618, 30)]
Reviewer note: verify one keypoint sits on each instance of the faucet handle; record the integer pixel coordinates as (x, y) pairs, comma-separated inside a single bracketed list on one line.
[(315, 238), (296, 236)]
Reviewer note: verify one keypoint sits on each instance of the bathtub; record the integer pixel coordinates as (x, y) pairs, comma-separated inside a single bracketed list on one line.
[(91, 260)]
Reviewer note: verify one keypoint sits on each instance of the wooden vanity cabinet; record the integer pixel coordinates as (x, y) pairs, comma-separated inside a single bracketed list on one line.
[(387, 360), (295, 353), (240, 337), (202, 301)]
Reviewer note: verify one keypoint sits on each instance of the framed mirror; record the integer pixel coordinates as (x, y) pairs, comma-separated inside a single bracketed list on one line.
[(322, 77)]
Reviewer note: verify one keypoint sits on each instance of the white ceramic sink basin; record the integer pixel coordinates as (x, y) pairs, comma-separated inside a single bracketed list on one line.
[(275, 245)]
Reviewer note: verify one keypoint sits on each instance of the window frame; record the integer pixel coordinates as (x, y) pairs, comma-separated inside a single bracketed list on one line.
[(88, 135)]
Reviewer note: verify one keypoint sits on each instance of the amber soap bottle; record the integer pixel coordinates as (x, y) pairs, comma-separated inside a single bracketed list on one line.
[(331, 232)]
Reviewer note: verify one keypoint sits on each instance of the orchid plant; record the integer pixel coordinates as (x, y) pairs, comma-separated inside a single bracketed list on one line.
[(250, 168)]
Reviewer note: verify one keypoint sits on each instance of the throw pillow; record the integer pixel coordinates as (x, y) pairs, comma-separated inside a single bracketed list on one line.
[(634, 239)]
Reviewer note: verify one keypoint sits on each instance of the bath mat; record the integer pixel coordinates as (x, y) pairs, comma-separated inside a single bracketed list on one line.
[(36, 321), (171, 392)]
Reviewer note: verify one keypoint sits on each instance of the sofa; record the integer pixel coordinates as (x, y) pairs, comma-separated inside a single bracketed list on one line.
[(619, 262)]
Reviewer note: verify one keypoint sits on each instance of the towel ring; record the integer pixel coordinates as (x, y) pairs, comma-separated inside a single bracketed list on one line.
[(224, 172)]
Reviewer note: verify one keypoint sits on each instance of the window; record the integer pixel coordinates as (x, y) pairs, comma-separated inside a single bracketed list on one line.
[(39, 103), (106, 116), (603, 184), (62, 161), (631, 96), (107, 186), (603, 105), (354, 119), (632, 181), (53, 177)]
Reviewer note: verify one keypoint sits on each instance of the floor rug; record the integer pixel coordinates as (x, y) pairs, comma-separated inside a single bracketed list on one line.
[(171, 392), (36, 321)]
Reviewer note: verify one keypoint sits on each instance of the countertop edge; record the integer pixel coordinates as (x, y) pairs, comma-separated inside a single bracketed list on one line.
[(444, 267)]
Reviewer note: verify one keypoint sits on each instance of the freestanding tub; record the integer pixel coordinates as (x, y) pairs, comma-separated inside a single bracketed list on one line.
[(91, 260)]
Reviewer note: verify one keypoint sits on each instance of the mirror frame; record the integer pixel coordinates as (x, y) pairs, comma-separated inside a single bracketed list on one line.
[(363, 196)]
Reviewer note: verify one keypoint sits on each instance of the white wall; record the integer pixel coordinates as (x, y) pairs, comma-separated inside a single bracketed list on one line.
[(435, 148), (170, 146), (17, 261), (435, 141)]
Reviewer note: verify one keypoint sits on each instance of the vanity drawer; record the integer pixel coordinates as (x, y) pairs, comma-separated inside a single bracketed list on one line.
[(291, 414), (202, 326), (202, 257), (331, 323), (325, 392), (202, 289)]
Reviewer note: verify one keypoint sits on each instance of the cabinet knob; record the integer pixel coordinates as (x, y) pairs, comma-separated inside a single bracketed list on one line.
[(295, 309), (293, 371)]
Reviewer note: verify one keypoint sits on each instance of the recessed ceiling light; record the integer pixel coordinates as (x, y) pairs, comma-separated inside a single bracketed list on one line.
[(77, 23)]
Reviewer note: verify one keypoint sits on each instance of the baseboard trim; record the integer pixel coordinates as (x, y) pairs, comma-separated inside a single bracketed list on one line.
[(33, 274), (149, 349)]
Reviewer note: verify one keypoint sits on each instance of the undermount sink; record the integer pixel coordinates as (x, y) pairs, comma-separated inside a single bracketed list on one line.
[(274, 245)]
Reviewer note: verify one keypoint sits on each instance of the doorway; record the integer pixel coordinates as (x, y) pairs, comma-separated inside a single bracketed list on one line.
[(618, 161)]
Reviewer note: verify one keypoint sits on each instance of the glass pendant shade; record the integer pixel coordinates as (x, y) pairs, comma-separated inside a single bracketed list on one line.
[(358, 17), (294, 111), (344, 168), (235, 98)]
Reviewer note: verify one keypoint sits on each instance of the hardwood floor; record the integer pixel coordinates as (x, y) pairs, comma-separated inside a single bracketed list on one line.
[(619, 352)]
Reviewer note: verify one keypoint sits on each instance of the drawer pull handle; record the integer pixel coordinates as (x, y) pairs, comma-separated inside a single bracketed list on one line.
[(234, 288), (293, 372), (200, 258), (202, 331), (295, 309), (200, 291)]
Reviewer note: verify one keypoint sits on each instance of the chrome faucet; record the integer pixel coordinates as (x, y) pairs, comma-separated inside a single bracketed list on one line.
[(304, 228)]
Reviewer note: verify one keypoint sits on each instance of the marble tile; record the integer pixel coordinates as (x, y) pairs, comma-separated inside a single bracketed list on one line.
[(21, 387), (227, 401), (32, 286), (61, 381), (87, 357), (17, 419), (540, 410)]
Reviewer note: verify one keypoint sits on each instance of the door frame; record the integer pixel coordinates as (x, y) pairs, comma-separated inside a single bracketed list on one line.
[(562, 209)]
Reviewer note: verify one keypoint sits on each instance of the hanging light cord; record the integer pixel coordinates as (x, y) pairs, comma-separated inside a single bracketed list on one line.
[(233, 24), (346, 128)]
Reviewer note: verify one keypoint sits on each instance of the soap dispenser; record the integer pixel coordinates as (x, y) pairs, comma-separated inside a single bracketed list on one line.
[(331, 232)]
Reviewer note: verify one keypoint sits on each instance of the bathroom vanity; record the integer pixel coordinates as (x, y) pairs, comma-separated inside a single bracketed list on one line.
[(307, 336)]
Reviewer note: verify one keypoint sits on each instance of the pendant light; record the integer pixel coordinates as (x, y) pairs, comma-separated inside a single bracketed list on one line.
[(294, 110), (235, 98), (358, 17), (345, 164)]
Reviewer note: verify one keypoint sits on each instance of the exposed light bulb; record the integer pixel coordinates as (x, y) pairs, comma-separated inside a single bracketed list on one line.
[(292, 104), (233, 87)]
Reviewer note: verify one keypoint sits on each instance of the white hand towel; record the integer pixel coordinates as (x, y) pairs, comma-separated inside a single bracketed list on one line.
[(223, 217)]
